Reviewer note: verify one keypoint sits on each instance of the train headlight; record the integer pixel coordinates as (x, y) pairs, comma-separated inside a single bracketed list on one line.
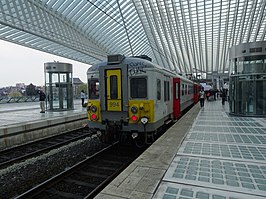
[(134, 109), (144, 120), (93, 109)]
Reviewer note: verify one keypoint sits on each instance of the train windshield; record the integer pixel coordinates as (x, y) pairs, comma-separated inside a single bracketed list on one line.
[(138, 87), (94, 88)]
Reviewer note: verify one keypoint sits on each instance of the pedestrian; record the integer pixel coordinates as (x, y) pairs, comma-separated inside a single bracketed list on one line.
[(82, 96), (42, 98), (201, 97), (215, 94), (208, 94), (224, 95)]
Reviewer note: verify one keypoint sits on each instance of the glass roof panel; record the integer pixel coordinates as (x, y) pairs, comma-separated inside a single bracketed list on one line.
[(186, 36)]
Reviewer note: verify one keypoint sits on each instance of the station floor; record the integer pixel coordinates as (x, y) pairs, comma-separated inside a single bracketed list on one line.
[(19, 113), (207, 154)]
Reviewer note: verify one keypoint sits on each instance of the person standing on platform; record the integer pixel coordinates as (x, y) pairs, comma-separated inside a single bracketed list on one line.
[(201, 97), (82, 97), (42, 98), (224, 95)]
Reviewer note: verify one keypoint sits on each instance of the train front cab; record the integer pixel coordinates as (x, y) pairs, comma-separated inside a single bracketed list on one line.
[(121, 107), (107, 109)]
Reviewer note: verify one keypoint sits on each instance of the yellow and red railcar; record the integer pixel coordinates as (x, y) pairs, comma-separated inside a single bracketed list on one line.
[(134, 97)]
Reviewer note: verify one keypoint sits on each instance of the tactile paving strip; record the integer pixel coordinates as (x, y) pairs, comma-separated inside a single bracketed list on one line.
[(209, 114), (227, 123), (169, 190), (226, 129), (235, 119), (227, 138), (225, 151), (241, 177)]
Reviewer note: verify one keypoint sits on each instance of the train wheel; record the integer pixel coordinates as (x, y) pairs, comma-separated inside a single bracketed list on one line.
[(109, 137), (140, 141), (123, 137), (102, 137)]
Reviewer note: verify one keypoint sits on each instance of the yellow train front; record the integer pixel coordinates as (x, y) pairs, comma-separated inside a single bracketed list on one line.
[(126, 98)]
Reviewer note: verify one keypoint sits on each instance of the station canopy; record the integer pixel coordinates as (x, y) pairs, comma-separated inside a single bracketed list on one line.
[(185, 36)]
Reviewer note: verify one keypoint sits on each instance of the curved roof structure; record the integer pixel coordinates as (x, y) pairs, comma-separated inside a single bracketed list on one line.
[(185, 36)]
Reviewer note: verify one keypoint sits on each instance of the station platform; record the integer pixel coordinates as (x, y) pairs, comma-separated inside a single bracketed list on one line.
[(16, 113), (207, 154), (23, 122)]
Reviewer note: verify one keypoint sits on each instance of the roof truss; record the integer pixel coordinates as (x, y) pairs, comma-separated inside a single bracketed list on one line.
[(185, 36)]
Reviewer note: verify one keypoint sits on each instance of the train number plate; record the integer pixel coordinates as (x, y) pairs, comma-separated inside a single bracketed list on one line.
[(114, 105)]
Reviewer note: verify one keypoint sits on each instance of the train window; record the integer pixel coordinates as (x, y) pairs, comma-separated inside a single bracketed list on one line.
[(176, 91), (166, 91), (190, 89), (94, 88), (158, 89), (183, 89), (113, 87), (138, 87)]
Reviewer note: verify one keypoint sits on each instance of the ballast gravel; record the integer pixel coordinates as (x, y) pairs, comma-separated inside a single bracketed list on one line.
[(20, 177)]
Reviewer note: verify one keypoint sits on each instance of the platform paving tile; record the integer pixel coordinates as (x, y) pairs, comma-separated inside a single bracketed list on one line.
[(134, 182), (225, 129), (222, 157), (228, 123), (228, 138), (228, 175), (170, 190), (140, 195), (225, 151)]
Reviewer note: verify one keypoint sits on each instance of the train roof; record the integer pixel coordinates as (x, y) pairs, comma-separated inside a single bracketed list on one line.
[(129, 61), (132, 62)]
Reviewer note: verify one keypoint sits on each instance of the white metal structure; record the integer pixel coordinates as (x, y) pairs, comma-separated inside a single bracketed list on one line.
[(185, 36)]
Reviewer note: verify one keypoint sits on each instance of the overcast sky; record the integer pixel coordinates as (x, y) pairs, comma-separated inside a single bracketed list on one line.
[(19, 64)]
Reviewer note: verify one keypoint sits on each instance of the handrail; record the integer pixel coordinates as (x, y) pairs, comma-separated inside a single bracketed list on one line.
[(35, 98), (5, 99)]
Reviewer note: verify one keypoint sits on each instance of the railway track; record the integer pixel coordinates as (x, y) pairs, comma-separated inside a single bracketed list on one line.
[(32, 149), (87, 178)]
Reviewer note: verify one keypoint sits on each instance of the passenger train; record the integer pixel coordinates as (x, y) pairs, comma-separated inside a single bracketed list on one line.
[(133, 97)]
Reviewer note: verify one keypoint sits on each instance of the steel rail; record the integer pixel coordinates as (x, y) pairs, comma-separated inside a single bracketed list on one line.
[(33, 149), (35, 191)]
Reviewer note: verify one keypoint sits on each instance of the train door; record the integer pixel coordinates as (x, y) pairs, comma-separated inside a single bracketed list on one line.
[(196, 93), (176, 98), (113, 90)]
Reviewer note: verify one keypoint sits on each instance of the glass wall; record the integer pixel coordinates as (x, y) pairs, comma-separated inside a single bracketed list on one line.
[(247, 92), (58, 86), (248, 95)]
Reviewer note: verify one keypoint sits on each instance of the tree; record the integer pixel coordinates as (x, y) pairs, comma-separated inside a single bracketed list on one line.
[(83, 87), (15, 94), (31, 90)]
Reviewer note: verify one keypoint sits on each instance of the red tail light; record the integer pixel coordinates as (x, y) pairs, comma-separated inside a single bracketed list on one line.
[(94, 116), (134, 118)]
